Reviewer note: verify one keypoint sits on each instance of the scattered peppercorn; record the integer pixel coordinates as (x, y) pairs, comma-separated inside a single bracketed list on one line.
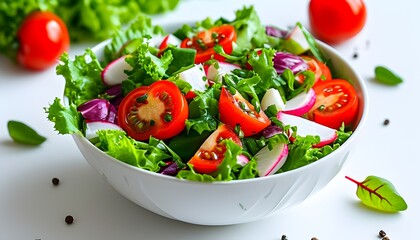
[(314, 238), (55, 181), (69, 219), (385, 238), (284, 237), (382, 233), (386, 122), (355, 55)]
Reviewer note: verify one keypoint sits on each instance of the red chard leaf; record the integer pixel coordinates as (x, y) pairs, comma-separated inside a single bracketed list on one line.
[(380, 194)]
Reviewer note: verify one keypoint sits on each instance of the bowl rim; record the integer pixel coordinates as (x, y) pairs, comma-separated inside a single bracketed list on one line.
[(361, 122)]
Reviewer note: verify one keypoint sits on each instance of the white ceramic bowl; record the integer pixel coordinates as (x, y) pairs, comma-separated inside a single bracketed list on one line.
[(225, 203)]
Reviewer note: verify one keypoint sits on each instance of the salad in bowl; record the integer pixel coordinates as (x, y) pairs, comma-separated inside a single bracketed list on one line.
[(220, 104)]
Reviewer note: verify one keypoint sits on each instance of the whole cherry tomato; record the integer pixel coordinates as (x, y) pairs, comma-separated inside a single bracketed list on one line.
[(43, 37), (338, 20)]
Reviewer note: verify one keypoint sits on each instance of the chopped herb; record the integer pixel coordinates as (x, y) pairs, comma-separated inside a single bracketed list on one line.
[(386, 76)]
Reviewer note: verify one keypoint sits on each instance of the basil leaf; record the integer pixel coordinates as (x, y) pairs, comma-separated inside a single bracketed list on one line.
[(386, 76), (24, 134), (380, 194)]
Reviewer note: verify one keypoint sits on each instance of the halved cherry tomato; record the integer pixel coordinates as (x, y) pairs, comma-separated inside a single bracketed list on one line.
[(211, 153), (338, 20), (321, 70), (205, 41), (43, 37), (336, 102), (234, 110), (158, 110)]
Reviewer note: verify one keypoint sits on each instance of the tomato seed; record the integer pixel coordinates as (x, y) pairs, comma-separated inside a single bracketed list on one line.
[(69, 219), (382, 233), (142, 98), (55, 181), (168, 117)]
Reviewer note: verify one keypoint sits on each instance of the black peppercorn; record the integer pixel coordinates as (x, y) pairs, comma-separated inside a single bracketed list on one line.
[(382, 233), (55, 181), (69, 219), (385, 238), (386, 122), (314, 238), (284, 237), (355, 55)]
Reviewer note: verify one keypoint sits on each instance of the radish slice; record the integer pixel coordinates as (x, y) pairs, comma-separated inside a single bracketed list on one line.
[(92, 128), (113, 74), (269, 162), (170, 39), (295, 42), (306, 127), (301, 104), (216, 74), (196, 77), (272, 96), (155, 41), (242, 160)]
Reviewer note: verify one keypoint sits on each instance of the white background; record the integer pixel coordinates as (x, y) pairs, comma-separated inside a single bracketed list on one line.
[(32, 208)]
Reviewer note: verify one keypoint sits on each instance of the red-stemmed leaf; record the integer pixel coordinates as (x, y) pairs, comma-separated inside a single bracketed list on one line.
[(380, 194)]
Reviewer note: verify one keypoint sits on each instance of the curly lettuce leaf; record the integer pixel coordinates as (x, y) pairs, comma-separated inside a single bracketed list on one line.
[(249, 29), (82, 75), (140, 27), (150, 156), (67, 120)]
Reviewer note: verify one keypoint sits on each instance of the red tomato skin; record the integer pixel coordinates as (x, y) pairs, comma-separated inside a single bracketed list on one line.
[(232, 115), (177, 106), (43, 37), (336, 21), (208, 166), (229, 36), (321, 70), (346, 113)]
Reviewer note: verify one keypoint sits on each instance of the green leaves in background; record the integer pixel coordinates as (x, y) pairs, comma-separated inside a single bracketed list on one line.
[(380, 194), (386, 76), (24, 134)]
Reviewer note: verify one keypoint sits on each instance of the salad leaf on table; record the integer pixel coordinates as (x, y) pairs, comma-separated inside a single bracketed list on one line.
[(22, 133), (386, 76), (380, 194)]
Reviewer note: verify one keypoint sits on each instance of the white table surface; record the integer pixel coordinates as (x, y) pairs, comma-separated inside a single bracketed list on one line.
[(32, 208)]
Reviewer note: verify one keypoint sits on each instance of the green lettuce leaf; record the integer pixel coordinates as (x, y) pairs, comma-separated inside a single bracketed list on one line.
[(67, 120), (150, 156), (140, 27), (82, 75)]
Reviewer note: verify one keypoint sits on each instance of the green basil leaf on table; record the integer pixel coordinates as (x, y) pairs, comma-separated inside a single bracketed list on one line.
[(24, 134), (386, 76)]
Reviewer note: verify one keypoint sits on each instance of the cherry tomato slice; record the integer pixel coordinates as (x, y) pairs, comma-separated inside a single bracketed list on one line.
[(205, 41), (234, 110), (321, 70), (336, 102), (338, 20), (43, 37), (158, 110), (211, 153)]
